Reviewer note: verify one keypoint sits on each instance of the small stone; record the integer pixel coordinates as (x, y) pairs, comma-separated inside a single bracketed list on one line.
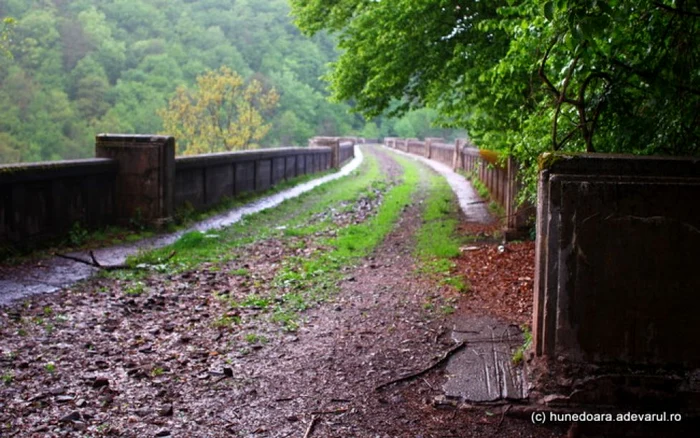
[(37, 397), (555, 398), (99, 382), (73, 416), (58, 391), (81, 403), (163, 432), (64, 398), (166, 411)]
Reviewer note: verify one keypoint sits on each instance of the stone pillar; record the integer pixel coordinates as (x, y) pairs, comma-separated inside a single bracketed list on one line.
[(329, 142), (146, 176), (429, 145), (457, 153)]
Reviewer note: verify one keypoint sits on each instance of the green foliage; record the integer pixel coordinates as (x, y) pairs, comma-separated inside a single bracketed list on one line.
[(254, 338), (222, 114), (519, 354), (525, 77), (77, 234), (6, 26), (80, 68), (136, 288)]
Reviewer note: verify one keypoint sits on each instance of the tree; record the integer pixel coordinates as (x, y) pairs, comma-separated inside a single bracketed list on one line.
[(525, 76), (222, 113), (5, 31)]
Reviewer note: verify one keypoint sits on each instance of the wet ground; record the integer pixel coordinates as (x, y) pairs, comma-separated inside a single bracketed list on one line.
[(473, 207), (98, 360), (52, 274)]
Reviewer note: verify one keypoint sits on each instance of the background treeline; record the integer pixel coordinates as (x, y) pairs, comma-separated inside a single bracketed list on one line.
[(82, 67)]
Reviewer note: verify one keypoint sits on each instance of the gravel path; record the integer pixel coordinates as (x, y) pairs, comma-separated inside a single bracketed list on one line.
[(98, 360)]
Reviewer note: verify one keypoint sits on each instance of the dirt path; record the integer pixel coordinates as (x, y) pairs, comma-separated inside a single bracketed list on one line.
[(102, 361)]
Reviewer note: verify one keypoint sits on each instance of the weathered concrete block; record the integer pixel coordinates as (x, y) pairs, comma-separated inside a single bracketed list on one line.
[(617, 251), (219, 183), (245, 177), (290, 167), (263, 175), (145, 181), (334, 144), (189, 188), (279, 166)]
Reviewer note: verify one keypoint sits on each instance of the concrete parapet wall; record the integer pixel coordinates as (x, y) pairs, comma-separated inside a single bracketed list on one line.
[(138, 177), (342, 148), (442, 152), (500, 179), (618, 245), (204, 180), (44, 200), (416, 147)]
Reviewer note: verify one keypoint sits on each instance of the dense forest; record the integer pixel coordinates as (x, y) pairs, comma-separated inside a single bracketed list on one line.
[(78, 68)]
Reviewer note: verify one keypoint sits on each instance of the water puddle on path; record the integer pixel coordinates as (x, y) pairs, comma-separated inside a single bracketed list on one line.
[(52, 274)]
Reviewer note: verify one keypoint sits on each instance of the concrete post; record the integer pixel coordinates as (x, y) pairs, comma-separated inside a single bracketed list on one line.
[(146, 176), (455, 156), (330, 142)]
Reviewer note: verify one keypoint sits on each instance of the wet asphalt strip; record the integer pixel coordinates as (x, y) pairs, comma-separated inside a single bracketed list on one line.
[(55, 273)]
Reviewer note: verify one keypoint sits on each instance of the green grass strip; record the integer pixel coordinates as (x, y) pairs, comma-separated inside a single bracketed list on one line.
[(316, 278), (436, 240), (195, 247)]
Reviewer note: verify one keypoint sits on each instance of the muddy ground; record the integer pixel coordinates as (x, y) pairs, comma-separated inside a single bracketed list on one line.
[(96, 361)]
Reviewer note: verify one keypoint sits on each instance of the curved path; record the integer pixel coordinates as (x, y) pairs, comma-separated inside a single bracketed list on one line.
[(51, 274), (471, 204)]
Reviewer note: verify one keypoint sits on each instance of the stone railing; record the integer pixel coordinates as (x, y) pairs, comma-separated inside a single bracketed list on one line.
[(204, 180), (500, 177), (138, 177), (39, 199)]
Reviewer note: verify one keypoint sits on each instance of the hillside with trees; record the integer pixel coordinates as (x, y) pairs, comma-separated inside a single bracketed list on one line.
[(78, 68)]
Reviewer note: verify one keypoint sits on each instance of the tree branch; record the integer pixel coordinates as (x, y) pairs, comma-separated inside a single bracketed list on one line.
[(676, 10), (541, 72), (95, 264)]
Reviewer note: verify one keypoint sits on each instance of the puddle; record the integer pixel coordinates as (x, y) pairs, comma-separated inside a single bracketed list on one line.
[(52, 274), (471, 204)]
